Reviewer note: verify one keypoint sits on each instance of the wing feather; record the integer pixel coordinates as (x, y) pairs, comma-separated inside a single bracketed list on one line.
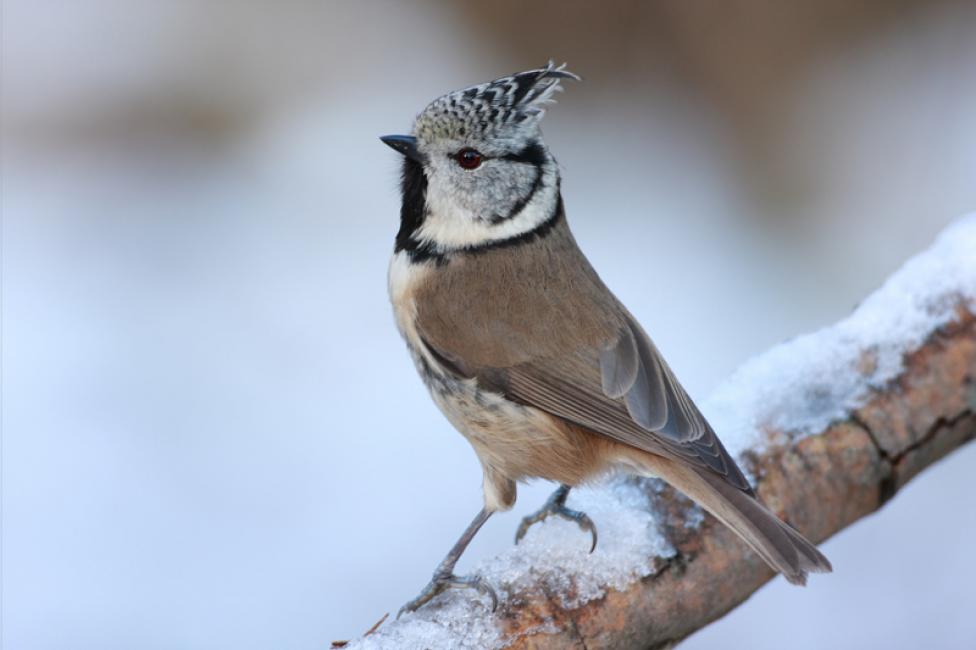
[(539, 326), (572, 387)]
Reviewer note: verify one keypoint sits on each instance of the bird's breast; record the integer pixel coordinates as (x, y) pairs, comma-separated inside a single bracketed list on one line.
[(403, 279), (460, 399)]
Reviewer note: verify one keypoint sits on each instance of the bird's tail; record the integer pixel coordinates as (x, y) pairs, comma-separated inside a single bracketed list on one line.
[(782, 548)]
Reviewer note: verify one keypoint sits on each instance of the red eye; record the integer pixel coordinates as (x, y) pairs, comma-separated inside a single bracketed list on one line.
[(468, 158)]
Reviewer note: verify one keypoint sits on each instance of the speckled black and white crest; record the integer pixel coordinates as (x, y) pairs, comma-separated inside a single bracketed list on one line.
[(490, 109)]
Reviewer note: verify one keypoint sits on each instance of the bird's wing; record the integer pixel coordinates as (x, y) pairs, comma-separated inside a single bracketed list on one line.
[(536, 324), (622, 389)]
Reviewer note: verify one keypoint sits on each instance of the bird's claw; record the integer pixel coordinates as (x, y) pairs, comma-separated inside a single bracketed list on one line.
[(554, 507), (450, 581)]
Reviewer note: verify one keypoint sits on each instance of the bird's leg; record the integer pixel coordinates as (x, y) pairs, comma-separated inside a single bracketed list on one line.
[(556, 505), (444, 574)]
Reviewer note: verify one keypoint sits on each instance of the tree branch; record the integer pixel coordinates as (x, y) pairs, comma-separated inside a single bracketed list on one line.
[(821, 484), (905, 365)]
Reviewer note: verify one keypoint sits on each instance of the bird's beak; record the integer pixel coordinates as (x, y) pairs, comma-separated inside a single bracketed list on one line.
[(405, 144)]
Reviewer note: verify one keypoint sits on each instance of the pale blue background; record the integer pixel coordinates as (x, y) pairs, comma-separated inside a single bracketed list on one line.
[(212, 434)]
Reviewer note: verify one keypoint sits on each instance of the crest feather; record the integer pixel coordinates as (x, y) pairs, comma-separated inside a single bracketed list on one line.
[(496, 105)]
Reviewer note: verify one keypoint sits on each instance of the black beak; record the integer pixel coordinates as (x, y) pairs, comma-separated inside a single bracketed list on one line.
[(405, 144)]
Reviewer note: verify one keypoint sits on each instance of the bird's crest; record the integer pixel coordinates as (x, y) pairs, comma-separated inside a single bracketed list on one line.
[(518, 100)]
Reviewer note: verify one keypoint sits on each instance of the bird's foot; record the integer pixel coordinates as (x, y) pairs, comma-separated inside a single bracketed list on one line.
[(443, 581), (556, 505)]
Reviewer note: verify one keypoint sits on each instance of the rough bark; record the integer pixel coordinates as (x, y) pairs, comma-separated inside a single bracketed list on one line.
[(819, 483)]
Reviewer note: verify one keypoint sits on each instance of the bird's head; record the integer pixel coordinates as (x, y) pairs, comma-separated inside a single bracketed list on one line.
[(475, 168)]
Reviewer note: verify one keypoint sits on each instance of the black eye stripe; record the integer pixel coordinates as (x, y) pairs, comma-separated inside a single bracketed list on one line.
[(532, 154)]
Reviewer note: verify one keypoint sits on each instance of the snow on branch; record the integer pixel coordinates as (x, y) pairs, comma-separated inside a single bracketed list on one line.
[(828, 426)]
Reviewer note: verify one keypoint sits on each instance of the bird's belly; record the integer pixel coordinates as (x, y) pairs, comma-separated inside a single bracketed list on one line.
[(512, 440), (494, 425)]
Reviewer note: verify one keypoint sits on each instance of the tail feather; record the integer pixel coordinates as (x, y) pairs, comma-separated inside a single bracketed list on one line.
[(782, 547), (779, 545)]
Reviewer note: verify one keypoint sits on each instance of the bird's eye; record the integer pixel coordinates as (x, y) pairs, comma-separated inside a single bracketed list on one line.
[(468, 158)]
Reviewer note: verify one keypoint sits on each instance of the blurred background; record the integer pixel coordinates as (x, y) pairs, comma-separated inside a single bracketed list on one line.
[(212, 434)]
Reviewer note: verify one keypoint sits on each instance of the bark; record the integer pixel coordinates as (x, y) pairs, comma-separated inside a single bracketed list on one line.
[(820, 484)]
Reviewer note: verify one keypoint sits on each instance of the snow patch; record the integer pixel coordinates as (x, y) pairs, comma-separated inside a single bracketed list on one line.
[(555, 553), (801, 386)]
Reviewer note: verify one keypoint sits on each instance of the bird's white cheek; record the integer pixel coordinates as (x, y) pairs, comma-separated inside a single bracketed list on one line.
[(449, 224), (449, 220)]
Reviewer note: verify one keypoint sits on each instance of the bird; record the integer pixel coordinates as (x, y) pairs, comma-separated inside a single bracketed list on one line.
[(522, 346)]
